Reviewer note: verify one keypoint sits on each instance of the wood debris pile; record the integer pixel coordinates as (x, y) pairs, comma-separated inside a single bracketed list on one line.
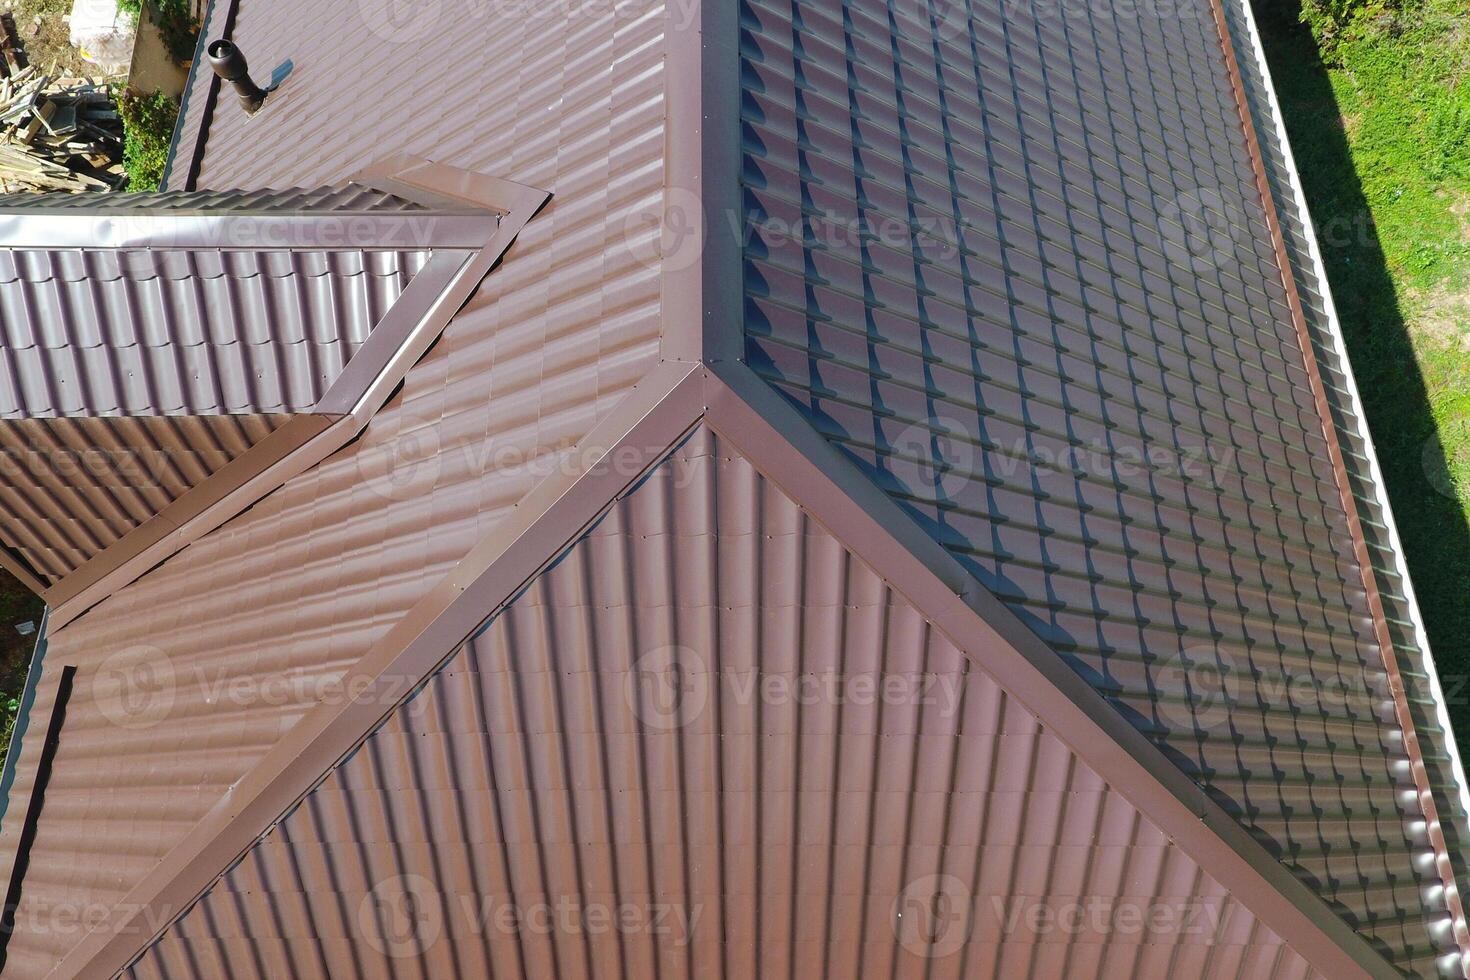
[(56, 133)]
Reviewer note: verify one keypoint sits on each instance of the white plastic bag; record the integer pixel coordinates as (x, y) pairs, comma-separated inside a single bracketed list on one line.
[(103, 34)]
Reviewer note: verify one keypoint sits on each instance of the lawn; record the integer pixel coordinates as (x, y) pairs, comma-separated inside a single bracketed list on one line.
[(1378, 114)]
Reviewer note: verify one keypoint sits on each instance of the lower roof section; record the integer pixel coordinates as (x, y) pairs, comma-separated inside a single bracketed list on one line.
[(1019, 266), (710, 741), (70, 487)]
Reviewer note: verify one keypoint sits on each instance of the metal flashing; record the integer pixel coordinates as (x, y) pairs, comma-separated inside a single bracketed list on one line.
[(698, 226), (408, 330)]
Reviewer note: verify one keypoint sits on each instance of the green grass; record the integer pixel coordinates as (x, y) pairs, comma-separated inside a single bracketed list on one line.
[(1379, 122), (148, 127)]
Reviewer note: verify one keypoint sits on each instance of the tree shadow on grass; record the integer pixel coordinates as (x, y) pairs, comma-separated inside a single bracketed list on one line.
[(1432, 521)]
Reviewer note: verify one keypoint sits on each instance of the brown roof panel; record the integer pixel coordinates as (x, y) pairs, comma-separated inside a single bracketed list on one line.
[(711, 726), (202, 314), (1018, 267), (302, 583), (1416, 666), (70, 487), (186, 333), (345, 197)]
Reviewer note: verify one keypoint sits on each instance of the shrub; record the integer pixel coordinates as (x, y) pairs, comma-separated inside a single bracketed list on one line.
[(148, 129), (177, 27), (174, 20), (1335, 22)]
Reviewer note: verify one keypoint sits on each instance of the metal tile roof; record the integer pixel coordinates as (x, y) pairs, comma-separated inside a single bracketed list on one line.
[(337, 198), (1390, 571), (243, 302), (553, 764), (71, 487), (284, 597), (1021, 273), (185, 333), (226, 307), (301, 584)]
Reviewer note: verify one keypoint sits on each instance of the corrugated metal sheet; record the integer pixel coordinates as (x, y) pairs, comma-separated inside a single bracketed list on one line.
[(287, 593), (1352, 429), (1015, 263), (669, 729), (71, 487), (185, 332), (334, 199)]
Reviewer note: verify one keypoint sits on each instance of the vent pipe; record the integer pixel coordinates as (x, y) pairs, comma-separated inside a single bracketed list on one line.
[(229, 64)]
